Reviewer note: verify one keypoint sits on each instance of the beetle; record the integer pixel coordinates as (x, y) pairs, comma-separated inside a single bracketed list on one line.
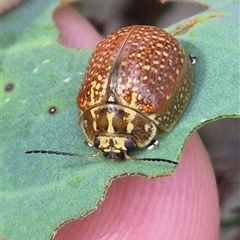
[(139, 80)]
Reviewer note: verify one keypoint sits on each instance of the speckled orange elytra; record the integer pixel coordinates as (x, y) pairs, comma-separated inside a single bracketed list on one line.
[(139, 80)]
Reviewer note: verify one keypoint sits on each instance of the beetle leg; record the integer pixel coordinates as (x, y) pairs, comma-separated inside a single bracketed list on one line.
[(154, 143), (87, 143)]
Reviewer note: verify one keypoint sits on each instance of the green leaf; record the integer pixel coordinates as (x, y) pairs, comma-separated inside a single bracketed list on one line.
[(39, 192)]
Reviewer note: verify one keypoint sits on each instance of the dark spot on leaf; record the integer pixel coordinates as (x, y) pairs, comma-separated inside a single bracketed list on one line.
[(52, 110), (9, 87)]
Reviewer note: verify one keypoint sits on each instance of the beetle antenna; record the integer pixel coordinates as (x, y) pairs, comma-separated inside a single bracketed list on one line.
[(94, 155), (159, 160), (127, 157), (61, 153)]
